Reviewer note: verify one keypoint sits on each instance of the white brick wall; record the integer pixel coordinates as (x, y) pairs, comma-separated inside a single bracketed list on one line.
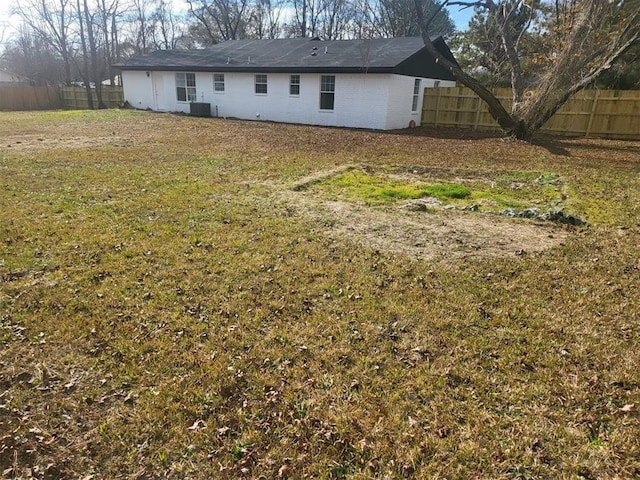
[(399, 113), (377, 101), (138, 89)]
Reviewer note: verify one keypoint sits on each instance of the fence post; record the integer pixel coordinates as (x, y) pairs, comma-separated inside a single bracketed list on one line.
[(477, 119), (435, 120), (593, 112)]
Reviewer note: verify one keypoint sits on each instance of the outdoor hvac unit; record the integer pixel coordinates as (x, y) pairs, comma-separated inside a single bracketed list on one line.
[(199, 109)]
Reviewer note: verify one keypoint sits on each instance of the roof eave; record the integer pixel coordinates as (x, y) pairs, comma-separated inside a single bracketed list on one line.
[(254, 69)]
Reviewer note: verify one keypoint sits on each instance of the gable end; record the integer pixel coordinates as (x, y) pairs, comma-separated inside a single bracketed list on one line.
[(422, 64)]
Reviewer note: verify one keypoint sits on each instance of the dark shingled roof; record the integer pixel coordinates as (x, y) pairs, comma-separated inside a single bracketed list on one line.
[(402, 55)]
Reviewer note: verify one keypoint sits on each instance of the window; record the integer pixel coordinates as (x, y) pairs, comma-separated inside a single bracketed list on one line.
[(218, 82), (261, 84), (327, 91), (416, 94), (186, 87), (294, 85)]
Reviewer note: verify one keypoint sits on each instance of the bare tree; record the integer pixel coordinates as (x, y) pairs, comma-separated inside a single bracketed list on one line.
[(4, 27), (398, 18), (585, 43), (168, 32), (96, 70), (139, 14), (29, 55), (362, 23), (306, 18), (266, 18), (143, 26), (85, 57), (107, 12), (51, 21), (481, 49), (86, 37), (335, 17), (221, 19)]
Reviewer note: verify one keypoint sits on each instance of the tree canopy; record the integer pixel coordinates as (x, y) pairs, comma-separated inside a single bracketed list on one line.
[(545, 51)]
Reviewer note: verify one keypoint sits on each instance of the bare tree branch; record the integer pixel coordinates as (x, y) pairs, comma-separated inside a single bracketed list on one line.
[(496, 109), (589, 37)]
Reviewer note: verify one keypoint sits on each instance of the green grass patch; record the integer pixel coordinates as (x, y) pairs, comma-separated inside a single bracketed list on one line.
[(517, 190), (378, 189), (446, 192)]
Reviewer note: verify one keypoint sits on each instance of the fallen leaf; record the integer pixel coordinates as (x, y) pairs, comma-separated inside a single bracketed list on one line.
[(627, 408), (282, 471), (197, 426)]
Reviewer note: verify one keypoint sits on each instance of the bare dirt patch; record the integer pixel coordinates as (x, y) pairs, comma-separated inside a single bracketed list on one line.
[(439, 235), (39, 142), (433, 236)]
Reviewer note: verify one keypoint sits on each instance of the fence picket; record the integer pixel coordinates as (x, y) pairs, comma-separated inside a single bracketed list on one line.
[(602, 113), (21, 97)]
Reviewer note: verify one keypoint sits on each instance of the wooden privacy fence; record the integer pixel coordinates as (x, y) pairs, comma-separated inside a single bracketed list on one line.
[(76, 97), (15, 98), (598, 113), (29, 98)]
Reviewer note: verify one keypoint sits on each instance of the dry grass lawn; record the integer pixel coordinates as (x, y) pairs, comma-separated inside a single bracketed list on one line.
[(206, 298)]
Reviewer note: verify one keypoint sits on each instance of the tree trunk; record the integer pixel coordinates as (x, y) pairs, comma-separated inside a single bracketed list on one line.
[(496, 109), (582, 54), (97, 78), (85, 59)]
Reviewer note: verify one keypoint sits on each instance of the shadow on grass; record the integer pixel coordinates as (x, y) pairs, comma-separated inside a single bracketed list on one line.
[(558, 145), (446, 133), (626, 145), (553, 145)]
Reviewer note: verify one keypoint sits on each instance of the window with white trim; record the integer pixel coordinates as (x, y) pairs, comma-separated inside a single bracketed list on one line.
[(218, 82), (261, 85), (416, 94), (186, 87), (327, 91), (294, 85)]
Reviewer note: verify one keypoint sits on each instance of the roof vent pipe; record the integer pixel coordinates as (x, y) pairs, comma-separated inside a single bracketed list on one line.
[(249, 59), (326, 49), (228, 60)]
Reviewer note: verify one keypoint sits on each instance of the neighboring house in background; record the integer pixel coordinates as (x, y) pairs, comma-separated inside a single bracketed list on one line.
[(116, 82), (375, 83), (10, 78)]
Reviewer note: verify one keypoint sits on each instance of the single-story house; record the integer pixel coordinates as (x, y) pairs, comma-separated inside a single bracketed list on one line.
[(376, 83), (10, 78)]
